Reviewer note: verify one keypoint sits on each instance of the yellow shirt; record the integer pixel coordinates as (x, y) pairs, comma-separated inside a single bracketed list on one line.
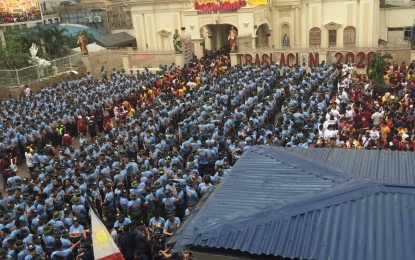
[(386, 79), (384, 131)]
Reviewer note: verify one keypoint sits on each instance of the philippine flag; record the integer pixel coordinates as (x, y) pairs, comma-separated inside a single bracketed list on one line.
[(104, 246)]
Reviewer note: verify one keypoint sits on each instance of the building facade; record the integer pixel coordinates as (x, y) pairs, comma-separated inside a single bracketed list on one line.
[(307, 24), (324, 27)]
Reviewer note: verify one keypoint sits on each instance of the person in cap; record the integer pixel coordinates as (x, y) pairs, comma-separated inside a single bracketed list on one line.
[(20, 249), (37, 224), (190, 207), (170, 200), (25, 235), (108, 206), (37, 241), (122, 221), (67, 217), (32, 252), (78, 208), (192, 196), (135, 187), (56, 223), (134, 208), (64, 253), (48, 239), (156, 222), (123, 205), (76, 231), (172, 224)]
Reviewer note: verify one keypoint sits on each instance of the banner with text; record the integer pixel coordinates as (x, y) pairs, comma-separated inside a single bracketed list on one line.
[(214, 5), (187, 49)]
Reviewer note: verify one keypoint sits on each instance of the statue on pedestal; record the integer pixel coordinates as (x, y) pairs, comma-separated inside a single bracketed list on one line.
[(233, 36), (177, 42), (286, 41), (82, 42)]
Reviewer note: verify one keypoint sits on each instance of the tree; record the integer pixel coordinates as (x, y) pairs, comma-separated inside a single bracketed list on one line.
[(60, 41), (377, 68), (14, 56), (53, 41)]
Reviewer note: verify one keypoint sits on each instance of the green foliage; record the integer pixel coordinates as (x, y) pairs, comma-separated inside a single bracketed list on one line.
[(52, 42), (73, 39), (13, 55), (377, 68)]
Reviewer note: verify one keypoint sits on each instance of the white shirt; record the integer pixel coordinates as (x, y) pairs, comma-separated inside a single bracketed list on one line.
[(376, 117), (29, 159)]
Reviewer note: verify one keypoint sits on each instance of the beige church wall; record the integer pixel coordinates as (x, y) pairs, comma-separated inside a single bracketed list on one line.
[(333, 12), (395, 17), (154, 25), (166, 24), (342, 13), (368, 23), (283, 24)]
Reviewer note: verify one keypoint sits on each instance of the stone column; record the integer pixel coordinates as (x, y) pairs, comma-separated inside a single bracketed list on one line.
[(234, 60), (297, 27), (197, 50), (126, 62), (218, 36), (179, 59)]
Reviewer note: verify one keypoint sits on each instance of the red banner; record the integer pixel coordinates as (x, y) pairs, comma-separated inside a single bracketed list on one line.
[(216, 5)]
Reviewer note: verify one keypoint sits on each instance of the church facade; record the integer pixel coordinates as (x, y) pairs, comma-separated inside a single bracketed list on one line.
[(322, 27)]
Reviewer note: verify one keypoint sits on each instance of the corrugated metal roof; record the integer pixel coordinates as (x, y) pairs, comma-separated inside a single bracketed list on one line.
[(274, 203), (381, 166), (120, 39)]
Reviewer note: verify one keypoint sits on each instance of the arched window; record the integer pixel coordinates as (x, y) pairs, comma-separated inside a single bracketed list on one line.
[(314, 37), (349, 36)]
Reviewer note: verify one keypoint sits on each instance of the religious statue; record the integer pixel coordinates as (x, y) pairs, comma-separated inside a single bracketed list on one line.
[(286, 41), (33, 50), (82, 42), (177, 42), (233, 35)]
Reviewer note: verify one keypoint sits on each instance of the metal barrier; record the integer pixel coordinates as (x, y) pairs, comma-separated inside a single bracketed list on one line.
[(35, 73)]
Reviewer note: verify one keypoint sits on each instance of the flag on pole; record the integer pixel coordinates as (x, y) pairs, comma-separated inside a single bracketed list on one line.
[(104, 246)]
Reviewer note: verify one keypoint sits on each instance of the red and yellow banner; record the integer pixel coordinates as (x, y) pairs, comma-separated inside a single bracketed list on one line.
[(214, 5)]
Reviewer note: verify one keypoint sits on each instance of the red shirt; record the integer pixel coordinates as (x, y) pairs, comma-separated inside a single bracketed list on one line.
[(67, 139), (81, 125)]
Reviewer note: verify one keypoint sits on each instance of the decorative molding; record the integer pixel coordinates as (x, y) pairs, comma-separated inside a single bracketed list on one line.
[(230, 19), (332, 25), (164, 33), (285, 13), (205, 21)]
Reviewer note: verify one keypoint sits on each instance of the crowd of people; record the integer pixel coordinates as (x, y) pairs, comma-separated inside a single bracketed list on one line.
[(141, 149), (30, 15)]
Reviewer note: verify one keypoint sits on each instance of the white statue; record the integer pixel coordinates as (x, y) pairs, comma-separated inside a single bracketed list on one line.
[(41, 63), (33, 50)]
